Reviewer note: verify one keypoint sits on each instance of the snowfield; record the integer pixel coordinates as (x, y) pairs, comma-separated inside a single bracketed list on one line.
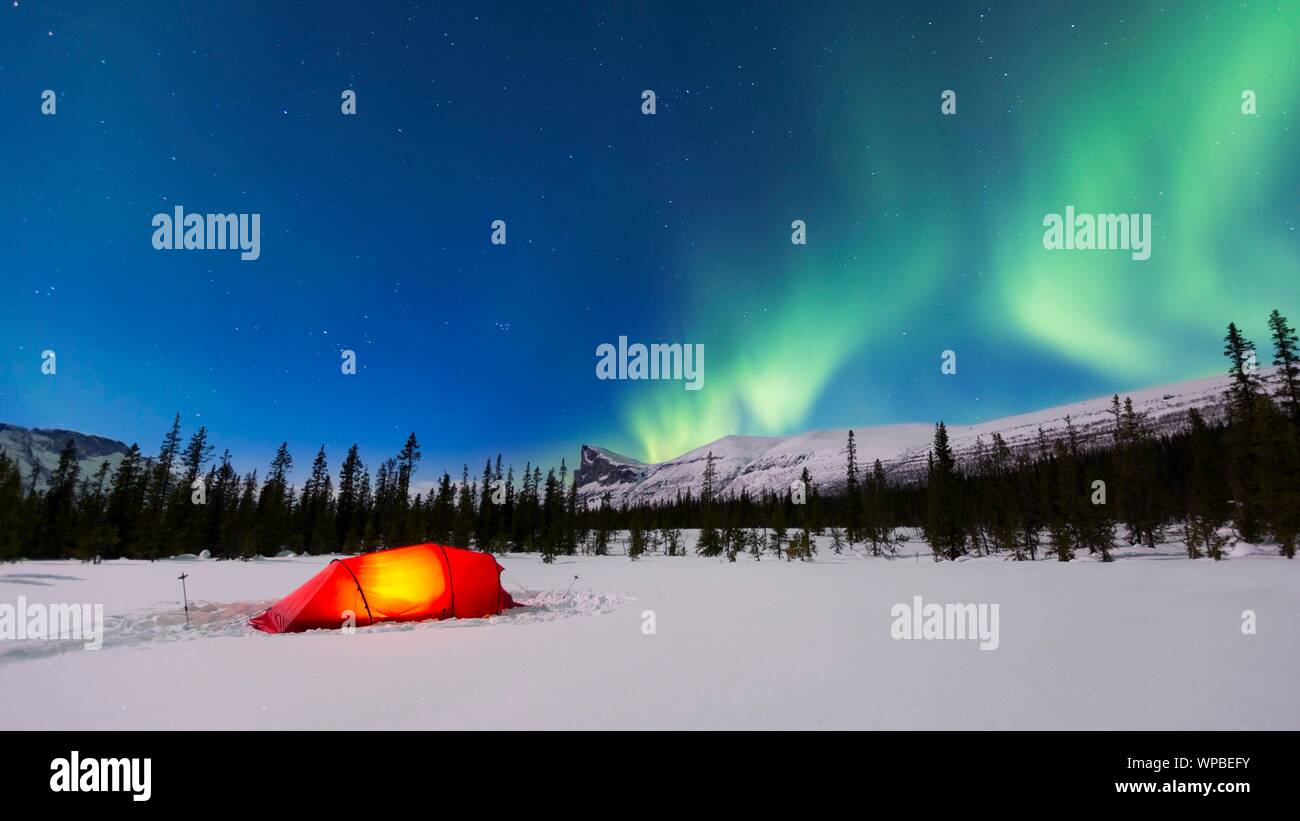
[(1151, 641)]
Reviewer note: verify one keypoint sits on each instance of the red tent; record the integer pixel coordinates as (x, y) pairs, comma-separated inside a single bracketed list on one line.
[(421, 581)]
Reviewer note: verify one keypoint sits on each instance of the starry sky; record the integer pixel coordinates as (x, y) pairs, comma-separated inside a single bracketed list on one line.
[(924, 230)]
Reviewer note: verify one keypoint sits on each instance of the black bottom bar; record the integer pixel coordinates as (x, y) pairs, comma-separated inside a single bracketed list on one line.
[(330, 770)]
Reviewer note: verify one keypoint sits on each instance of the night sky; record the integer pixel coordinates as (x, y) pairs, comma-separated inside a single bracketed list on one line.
[(924, 230)]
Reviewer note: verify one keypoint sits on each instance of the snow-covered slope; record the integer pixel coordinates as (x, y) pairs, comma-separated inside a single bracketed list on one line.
[(758, 463), (37, 449), (611, 471)]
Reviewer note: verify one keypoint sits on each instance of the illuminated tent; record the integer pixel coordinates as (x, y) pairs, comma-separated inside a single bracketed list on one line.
[(422, 581)]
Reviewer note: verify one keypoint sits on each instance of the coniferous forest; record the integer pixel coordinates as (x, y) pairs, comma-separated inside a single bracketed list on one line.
[(1237, 473)]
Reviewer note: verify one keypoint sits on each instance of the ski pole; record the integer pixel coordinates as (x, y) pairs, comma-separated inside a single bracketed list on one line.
[(185, 597)]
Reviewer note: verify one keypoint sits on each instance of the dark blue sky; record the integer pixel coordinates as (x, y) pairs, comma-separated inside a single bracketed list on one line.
[(924, 231)]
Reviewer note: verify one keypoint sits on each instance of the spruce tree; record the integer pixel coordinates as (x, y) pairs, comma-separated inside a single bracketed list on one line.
[(222, 526), (126, 502), (1064, 503), (1245, 445), (462, 532), (837, 541), (1005, 523), (1205, 509), (1123, 457), (879, 530), (317, 511), (1278, 433), (636, 539), (196, 455), (485, 528), (535, 521), (1243, 368), (275, 504), (733, 536), (572, 516), (1029, 482), (160, 484), (943, 527), (852, 491), (779, 521), (248, 536), (803, 544), (709, 543), (508, 525), (58, 526), (672, 539), (1278, 467), (365, 509), (349, 527), (183, 520), (1287, 358), (443, 511), (978, 514), (14, 521), (1092, 523), (552, 521), (94, 535), (1135, 479), (603, 513), (401, 527)]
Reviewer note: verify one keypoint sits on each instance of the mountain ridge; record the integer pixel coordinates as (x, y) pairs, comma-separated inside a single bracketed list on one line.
[(36, 450), (756, 464)]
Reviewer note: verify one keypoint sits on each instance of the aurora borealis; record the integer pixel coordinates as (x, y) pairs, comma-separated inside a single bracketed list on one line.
[(941, 249), (924, 230)]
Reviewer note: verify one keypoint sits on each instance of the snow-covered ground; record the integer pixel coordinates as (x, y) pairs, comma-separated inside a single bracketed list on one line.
[(1150, 641)]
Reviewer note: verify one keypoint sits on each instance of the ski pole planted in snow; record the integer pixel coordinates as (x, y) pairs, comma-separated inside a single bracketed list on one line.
[(570, 587), (185, 597)]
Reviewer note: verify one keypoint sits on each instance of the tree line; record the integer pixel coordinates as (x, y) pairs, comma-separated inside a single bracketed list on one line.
[(1237, 471)]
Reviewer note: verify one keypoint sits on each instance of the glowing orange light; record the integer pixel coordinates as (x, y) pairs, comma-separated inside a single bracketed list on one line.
[(423, 581)]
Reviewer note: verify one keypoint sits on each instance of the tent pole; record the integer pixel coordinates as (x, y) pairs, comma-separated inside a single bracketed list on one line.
[(359, 590)]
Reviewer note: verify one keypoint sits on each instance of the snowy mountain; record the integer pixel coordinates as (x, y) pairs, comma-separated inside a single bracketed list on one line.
[(37, 449), (609, 470), (759, 463)]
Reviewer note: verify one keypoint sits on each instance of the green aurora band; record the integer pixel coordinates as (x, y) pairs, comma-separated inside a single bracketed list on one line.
[(1150, 122)]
